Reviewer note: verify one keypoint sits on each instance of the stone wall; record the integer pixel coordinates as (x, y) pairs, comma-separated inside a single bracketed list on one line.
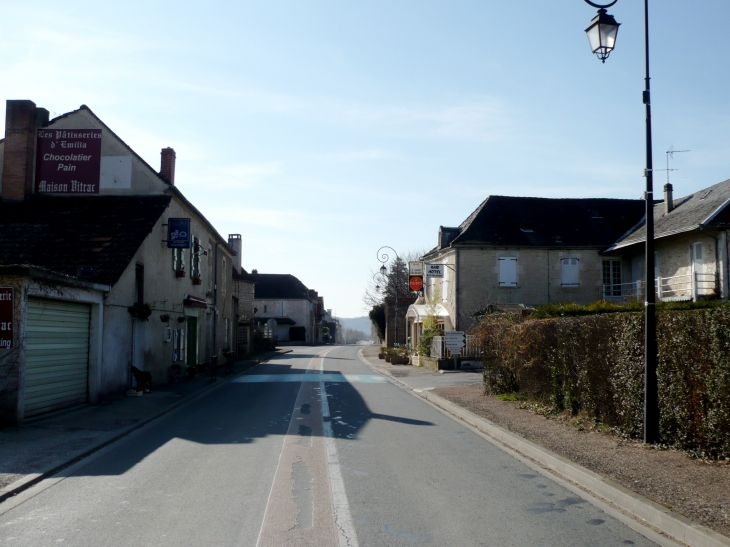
[(390, 320), (539, 278)]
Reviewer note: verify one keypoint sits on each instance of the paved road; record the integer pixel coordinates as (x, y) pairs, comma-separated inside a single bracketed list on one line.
[(311, 449)]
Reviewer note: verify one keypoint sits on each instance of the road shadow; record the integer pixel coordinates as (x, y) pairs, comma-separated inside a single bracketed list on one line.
[(241, 413)]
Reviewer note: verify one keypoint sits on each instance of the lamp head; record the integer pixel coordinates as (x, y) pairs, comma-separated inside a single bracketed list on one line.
[(602, 34)]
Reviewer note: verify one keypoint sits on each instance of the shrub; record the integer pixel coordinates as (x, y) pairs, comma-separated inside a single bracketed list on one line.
[(595, 365)]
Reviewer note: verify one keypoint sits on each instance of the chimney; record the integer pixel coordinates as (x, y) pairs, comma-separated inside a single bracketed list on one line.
[(167, 165), (20, 139), (668, 201), (234, 240), (447, 235)]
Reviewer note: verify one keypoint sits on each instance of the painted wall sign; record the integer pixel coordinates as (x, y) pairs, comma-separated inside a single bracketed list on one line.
[(68, 161), (415, 268), (6, 318), (435, 270), (178, 233), (415, 282)]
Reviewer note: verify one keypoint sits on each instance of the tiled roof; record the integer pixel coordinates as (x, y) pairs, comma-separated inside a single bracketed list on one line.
[(546, 222), (66, 234), (275, 286), (705, 207), (243, 276)]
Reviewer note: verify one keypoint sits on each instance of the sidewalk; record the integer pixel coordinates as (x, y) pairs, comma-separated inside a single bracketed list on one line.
[(419, 378), (40, 448), (686, 499)]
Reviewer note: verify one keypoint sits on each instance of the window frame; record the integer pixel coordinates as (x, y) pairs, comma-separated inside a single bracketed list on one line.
[(611, 273), (178, 259)]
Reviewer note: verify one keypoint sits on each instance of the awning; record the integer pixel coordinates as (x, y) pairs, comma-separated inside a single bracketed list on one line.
[(419, 312), (195, 302)]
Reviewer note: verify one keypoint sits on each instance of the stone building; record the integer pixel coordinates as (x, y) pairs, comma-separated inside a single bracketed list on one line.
[(296, 309), (522, 250), (690, 244), (95, 289)]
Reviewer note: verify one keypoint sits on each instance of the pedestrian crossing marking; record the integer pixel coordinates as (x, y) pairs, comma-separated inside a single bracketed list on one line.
[(334, 377)]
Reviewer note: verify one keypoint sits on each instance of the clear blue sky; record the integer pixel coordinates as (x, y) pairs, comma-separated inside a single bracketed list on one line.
[(324, 130)]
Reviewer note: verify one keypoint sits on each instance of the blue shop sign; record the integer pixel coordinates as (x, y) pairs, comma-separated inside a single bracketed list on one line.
[(178, 233)]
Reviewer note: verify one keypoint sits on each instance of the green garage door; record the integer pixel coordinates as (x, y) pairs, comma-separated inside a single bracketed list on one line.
[(57, 355)]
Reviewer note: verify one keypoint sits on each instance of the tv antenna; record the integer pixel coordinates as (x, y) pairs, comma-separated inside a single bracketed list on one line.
[(670, 153)]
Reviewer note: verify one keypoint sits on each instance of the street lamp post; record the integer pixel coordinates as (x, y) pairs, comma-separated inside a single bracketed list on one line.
[(384, 258), (602, 38)]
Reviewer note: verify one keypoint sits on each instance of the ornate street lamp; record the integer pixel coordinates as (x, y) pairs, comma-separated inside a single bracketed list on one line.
[(384, 258), (602, 31), (605, 37)]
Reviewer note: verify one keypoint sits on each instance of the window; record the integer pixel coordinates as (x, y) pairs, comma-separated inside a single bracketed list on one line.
[(612, 277), (281, 309), (570, 272), (178, 259), (178, 345), (697, 252), (226, 334), (697, 258), (507, 271), (266, 308), (195, 253)]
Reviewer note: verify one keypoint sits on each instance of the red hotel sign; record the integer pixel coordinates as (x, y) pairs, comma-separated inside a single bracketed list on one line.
[(68, 161), (6, 318)]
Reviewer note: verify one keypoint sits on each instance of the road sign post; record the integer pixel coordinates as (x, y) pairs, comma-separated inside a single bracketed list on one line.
[(455, 341)]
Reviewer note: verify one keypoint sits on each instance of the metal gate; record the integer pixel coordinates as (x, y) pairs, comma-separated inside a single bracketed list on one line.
[(57, 355)]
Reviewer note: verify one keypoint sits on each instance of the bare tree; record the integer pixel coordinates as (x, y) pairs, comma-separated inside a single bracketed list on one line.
[(394, 282)]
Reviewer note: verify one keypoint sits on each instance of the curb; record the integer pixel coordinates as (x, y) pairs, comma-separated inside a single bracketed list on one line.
[(642, 509), (32, 479)]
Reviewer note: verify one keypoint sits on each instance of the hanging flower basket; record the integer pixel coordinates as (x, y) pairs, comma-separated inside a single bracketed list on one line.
[(197, 281), (140, 311), (179, 273)]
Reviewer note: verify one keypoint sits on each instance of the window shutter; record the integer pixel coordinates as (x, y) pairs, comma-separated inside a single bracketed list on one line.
[(570, 272), (507, 271)]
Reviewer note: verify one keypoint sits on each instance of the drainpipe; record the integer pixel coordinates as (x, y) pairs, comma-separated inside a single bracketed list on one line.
[(456, 290), (727, 265), (548, 276), (214, 352), (717, 262), (133, 350)]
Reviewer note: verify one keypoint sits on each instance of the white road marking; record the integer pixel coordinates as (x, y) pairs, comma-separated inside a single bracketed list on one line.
[(322, 517), (343, 519)]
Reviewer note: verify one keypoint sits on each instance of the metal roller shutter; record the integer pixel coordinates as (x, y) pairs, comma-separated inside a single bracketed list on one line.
[(57, 355)]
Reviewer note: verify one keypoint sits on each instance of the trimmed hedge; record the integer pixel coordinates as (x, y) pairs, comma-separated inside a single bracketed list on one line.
[(595, 365)]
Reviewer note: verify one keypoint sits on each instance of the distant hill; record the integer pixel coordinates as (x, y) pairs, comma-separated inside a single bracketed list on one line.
[(356, 323)]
